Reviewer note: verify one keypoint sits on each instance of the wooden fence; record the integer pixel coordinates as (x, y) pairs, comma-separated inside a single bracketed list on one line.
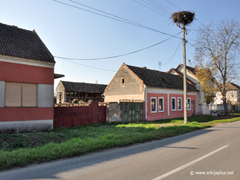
[(79, 115)]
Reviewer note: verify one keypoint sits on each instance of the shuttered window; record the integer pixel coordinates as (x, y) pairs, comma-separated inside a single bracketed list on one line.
[(29, 95), (20, 95), (12, 94)]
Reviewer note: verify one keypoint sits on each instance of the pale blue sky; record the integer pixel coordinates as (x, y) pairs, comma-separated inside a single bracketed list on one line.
[(73, 33)]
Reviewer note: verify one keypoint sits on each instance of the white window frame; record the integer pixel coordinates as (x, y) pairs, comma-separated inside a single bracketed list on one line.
[(189, 108), (155, 105), (181, 103), (162, 104), (175, 104)]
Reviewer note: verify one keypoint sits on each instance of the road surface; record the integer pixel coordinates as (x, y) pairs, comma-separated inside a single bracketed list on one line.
[(211, 153)]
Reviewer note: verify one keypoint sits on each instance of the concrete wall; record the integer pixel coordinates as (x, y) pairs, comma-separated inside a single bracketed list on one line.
[(25, 126), (45, 95), (2, 94), (113, 112), (116, 98)]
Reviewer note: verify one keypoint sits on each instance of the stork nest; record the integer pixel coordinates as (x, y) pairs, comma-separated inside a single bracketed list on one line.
[(183, 17)]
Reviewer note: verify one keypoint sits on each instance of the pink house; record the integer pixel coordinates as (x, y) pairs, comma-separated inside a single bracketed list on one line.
[(26, 81), (162, 93)]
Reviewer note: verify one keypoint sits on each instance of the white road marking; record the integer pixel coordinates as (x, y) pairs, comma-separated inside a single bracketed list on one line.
[(189, 164)]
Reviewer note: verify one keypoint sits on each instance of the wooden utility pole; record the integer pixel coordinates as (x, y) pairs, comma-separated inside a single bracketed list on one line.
[(184, 18), (184, 75)]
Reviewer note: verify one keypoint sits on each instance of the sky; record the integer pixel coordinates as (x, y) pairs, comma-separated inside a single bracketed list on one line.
[(69, 30)]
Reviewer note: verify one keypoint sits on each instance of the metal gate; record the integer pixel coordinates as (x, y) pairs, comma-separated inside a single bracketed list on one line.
[(131, 111)]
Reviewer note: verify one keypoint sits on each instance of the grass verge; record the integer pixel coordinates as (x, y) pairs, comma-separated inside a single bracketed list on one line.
[(26, 148)]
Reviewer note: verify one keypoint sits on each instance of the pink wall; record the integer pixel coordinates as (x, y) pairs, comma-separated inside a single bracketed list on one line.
[(171, 114), (24, 114), (26, 73)]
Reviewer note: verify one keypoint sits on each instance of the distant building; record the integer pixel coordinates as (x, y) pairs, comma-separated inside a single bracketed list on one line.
[(233, 95), (26, 81), (68, 91)]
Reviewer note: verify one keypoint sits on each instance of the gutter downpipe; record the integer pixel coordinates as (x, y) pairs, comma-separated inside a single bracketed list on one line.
[(145, 91)]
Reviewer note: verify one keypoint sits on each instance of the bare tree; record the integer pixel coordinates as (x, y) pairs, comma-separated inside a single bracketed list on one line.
[(217, 49)]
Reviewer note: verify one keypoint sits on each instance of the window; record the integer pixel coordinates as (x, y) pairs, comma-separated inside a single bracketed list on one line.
[(20, 94), (161, 104), (179, 104), (153, 105), (122, 81), (173, 104), (189, 103)]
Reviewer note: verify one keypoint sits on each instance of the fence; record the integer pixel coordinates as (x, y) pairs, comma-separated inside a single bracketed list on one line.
[(208, 108), (79, 115)]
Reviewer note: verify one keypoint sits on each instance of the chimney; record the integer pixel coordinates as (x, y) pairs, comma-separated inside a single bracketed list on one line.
[(144, 67), (196, 68)]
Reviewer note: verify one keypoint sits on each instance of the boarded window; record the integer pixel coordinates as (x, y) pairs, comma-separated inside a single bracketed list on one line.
[(29, 95), (12, 94), (20, 94)]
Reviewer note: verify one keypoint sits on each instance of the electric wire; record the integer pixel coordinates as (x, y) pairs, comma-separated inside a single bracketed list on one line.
[(118, 19), (174, 5), (171, 11), (89, 66), (173, 54), (150, 8), (163, 9), (116, 56)]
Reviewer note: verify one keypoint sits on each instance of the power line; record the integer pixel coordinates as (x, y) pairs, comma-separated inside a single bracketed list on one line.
[(150, 8), (114, 17), (174, 5), (160, 6), (90, 66), (164, 6), (111, 57), (173, 54)]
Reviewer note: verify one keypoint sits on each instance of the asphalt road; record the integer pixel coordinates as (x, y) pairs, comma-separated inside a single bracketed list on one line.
[(211, 153)]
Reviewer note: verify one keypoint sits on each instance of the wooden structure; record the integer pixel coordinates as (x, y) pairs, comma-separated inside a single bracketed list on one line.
[(68, 91)]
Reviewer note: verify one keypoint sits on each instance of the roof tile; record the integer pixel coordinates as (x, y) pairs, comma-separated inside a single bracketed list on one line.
[(23, 43)]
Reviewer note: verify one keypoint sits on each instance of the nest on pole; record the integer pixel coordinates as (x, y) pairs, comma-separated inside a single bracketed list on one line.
[(183, 17)]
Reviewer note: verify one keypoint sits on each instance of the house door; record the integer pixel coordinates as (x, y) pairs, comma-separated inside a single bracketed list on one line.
[(131, 111), (192, 107)]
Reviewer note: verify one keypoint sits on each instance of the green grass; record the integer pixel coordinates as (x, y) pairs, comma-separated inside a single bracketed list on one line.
[(26, 148)]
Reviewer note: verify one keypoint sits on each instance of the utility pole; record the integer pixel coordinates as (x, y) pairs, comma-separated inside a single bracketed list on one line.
[(184, 75), (184, 18), (159, 64)]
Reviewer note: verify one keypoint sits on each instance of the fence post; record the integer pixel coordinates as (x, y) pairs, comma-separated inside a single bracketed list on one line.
[(94, 112)]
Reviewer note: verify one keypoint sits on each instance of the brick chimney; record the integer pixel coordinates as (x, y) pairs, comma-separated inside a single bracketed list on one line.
[(144, 67)]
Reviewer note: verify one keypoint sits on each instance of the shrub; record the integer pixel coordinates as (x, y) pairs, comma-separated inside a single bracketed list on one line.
[(75, 101)]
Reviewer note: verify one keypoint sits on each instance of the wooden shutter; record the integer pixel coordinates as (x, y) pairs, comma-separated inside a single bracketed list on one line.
[(29, 95), (12, 94)]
